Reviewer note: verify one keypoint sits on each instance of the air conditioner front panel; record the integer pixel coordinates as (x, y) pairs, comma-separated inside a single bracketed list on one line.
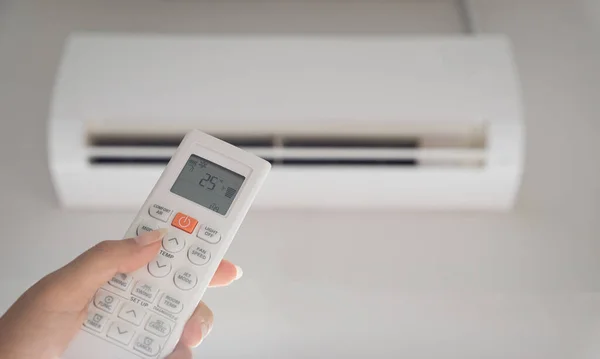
[(239, 79), (431, 123), (350, 188)]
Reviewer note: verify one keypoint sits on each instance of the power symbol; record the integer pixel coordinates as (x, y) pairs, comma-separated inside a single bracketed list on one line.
[(184, 221)]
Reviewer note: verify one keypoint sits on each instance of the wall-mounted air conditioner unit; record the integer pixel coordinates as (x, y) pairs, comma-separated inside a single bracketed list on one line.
[(348, 122)]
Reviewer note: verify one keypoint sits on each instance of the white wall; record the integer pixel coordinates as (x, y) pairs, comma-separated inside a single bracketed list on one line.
[(522, 285)]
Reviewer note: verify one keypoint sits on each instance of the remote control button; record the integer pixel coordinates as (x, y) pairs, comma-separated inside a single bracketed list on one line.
[(159, 326), (170, 304), (121, 332), (132, 313), (173, 243), (199, 254), (159, 212), (209, 234), (95, 321), (147, 345), (185, 279), (159, 267), (106, 301), (145, 227), (184, 222), (121, 281), (145, 291)]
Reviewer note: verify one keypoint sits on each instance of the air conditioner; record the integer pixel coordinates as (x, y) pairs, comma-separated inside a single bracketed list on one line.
[(348, 122)]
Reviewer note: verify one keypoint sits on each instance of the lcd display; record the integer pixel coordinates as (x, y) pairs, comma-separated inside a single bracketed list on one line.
[(208, 184)]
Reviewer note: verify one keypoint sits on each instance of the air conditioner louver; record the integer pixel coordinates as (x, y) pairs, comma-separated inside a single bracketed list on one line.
[(289, 150)]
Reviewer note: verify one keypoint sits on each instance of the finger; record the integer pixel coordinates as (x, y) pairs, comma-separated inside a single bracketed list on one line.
[(198, 326), (100, 263), (226, 273), (181, 352)]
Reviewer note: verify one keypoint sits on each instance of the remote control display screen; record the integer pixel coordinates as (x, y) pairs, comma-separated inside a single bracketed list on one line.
[(208, 184)]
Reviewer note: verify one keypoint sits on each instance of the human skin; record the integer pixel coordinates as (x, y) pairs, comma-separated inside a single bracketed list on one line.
[(42, 322)]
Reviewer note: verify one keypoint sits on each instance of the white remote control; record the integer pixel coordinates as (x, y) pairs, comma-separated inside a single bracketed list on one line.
[(202, 197)]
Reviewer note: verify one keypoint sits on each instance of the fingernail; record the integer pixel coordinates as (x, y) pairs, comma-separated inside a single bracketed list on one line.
[(151, 237), (239, 272)]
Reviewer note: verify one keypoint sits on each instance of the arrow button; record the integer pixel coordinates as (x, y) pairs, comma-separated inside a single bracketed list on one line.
[(120, 332), (132, 313), (172, 243), (160, 267)]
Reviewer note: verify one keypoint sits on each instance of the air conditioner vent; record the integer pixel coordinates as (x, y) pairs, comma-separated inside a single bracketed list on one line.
[(293, 150), (129, 140)]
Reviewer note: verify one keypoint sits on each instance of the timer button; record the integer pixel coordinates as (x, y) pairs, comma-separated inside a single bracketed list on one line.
[(184, 222), (95, 320)]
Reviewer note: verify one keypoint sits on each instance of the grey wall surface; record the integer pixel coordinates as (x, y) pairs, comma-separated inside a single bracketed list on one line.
[(376, 285)]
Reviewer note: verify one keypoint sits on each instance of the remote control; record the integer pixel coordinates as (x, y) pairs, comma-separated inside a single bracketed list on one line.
[(202, 198)]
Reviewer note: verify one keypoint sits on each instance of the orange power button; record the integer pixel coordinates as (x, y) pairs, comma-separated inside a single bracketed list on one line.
[(184, 222)]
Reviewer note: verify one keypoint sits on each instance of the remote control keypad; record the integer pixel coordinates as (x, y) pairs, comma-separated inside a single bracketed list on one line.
[(136, 313)]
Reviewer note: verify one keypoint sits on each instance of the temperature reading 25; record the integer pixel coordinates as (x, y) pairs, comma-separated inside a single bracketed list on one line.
[(209, 182)]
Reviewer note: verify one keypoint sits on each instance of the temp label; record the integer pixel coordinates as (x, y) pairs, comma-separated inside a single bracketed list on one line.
[(166, 254)]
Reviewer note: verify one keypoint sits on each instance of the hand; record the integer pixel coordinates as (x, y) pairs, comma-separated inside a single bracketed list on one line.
[(42, 322)]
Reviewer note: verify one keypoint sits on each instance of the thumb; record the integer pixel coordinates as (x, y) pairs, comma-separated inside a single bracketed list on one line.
[(86, 273)]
